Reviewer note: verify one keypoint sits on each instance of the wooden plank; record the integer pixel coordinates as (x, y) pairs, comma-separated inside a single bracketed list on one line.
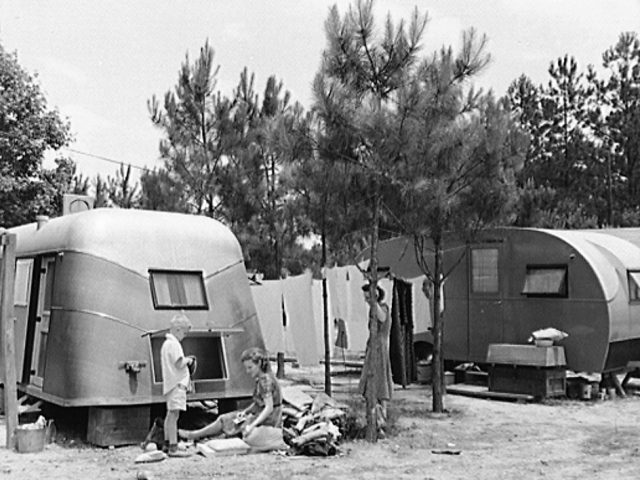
[(346, 363), (7, 331), (478, 391), (274, 358)]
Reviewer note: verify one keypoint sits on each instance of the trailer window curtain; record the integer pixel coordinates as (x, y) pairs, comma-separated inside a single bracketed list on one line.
[(178, 290), (546, 281), (634, 285), (484, 270)]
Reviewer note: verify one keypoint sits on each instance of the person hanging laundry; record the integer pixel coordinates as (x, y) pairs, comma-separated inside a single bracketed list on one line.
[(382, 314)]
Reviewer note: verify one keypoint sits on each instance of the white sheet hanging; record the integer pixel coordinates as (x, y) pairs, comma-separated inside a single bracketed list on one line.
[(299, 308)]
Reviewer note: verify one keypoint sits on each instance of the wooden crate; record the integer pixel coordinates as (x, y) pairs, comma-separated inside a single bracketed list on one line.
[(472, 377), (536, 381), (116, 426), (514, 354)]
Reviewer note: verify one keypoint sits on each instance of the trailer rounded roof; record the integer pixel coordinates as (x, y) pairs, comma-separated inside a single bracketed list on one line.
[(605, 250), (629, 235), (136, 239)]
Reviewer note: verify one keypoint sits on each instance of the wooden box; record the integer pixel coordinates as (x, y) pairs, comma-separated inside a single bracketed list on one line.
[(116, 426), (512, 354), (536, 381), (472, 377)]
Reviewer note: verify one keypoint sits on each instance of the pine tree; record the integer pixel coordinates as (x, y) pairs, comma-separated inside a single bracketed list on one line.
[(195, 120), (356, 95), (456, 173), (616, 123)]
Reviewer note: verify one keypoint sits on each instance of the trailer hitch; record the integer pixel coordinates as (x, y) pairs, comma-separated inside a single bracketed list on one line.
[(132, 367)]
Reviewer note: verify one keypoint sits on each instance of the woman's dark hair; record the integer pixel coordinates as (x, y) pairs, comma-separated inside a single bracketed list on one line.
[(366, 287), (257, 356)]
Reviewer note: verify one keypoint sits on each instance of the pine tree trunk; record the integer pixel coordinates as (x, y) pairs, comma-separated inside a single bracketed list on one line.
[(325, 308), (437, 364)]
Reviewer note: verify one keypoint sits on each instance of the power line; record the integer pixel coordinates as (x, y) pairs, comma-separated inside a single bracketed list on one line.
[(105, 159), (98, 157)]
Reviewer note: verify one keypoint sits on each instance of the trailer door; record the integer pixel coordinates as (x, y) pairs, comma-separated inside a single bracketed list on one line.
[(43, 315), (485, 299)]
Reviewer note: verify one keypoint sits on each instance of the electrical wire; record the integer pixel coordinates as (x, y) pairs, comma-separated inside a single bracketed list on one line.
[(106, 159)]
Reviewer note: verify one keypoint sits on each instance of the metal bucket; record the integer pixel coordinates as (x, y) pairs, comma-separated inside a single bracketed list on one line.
[(585, 391), (423, 371), (29, 439)]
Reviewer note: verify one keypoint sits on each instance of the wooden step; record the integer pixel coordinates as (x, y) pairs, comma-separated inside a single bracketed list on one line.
[(478, 391)]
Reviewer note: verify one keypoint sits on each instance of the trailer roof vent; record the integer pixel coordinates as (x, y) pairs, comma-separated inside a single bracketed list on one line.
[(40, 221), (76, 203)]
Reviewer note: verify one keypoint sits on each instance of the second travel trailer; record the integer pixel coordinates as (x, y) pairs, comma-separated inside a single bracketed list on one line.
[(510, 282)]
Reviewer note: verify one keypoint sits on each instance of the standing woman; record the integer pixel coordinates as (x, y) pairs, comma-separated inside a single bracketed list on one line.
[(265, 410), (381, 314)]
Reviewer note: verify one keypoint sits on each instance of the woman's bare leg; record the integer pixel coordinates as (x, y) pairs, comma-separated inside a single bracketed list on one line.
[(210, 430)]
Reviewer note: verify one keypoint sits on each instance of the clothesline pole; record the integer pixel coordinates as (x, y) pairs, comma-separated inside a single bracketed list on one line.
[(325, 315), (280, 364)]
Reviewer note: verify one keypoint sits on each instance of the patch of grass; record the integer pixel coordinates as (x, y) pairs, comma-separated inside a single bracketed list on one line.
[(403, 408), (354, 425), (611, 440)]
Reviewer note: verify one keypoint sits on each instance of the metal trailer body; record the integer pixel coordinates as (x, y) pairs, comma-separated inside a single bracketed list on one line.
[(509, 282), (95, 290)]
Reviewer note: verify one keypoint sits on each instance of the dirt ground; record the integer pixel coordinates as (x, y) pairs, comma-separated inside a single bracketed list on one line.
[(558, 439)]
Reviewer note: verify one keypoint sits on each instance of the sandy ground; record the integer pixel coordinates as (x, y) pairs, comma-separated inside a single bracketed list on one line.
[(559, 439)]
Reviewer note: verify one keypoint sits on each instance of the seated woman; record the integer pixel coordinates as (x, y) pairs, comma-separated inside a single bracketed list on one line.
[(265, 410)]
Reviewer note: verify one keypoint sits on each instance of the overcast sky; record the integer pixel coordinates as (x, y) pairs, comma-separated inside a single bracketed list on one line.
[(99, 62)]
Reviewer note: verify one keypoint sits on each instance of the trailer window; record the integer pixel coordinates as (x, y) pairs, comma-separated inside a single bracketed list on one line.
[(484, 270), (546, 281), (178, 290), (634, 285), (24, 267)]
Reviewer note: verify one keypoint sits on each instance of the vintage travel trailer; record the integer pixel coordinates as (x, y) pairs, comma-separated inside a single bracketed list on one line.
[(94, 293), (510, 282)]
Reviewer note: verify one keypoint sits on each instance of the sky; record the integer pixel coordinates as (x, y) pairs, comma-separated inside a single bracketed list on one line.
[(99, 63)]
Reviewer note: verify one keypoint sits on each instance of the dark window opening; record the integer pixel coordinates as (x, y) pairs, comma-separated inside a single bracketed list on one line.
[(633, 278), (546, 281), (178, 290), (205, 347)]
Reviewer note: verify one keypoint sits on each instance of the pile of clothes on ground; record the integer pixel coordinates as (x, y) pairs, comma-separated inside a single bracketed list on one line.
[(312, 426)]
